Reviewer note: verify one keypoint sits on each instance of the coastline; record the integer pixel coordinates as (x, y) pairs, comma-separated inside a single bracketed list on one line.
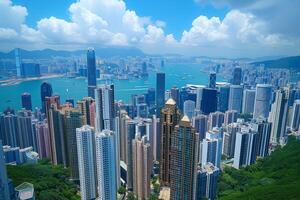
[(10, 82)]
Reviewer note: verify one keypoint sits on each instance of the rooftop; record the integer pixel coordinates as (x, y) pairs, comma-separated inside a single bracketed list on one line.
[(171, 102)]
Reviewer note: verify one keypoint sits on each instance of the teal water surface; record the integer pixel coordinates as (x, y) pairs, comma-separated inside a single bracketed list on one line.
[(176, 75)]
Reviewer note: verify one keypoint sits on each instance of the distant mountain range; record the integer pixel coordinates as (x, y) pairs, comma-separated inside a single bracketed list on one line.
[(49, 53), (292, 63)]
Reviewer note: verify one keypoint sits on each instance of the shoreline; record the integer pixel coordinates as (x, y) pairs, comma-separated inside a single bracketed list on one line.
[(11, 82)]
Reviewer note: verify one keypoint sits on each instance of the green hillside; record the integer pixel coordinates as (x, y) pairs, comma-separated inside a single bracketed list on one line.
[(275, 177), (50, 182), (292, 63)]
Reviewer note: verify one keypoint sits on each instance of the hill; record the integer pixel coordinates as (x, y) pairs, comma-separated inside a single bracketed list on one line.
[(275, 177), (50, 182), (49, 53), (292, 63)]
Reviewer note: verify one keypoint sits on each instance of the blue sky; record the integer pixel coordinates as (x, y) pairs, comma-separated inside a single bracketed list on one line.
[(227, 28)]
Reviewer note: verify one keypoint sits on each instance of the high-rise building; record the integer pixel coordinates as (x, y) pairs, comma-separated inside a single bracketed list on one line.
[(263, 99), (105, 107), (9, 129), (235, 98), (169, 119), (248, 101), (230, 117), (150, 100), (160, 92), (175, 94), (30, 70), (43, 140), (156, 138), (208, 100), (4, 190), (229, 139), (26, 101), (18, 62), (295, 122), (237, 76), (212, 80), (263, 129), (246, 146), (207, 181), (189, 108), (46, 91), (223, 97), (84, 107), (212, 147), (85, 140), (278, 115), (183, 162), (91, 74), (200, 122), (142, 167), (216, 119), (106, 165)]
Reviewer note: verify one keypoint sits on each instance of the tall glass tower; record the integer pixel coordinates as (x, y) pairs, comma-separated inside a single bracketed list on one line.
[(91, 75), (46, 91), (160, 92)]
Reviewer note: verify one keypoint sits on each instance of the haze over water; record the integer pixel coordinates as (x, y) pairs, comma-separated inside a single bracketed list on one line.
[(71, 88)]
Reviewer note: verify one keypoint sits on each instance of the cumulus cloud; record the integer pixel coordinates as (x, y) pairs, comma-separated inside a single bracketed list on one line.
[(248, 29)]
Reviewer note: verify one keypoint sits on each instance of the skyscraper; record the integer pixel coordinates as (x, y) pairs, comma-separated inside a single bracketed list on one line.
[(46, 91), (200, 122), (223, 97), (212, 80), (237, 76), (278, 115), (263, 129), (230, 117), (175, 94), (183, 163), (91, 75), (9, 129), (169, 119), (4, 190), (84, 108), (85, 139), (189, 108), (248, 101), (43, 140), (142, 167), (207, 181), (160, 92), (295, 123), (263, 100), (235, 98), (106, 165), (18, 62), (26, 101), (105, 107), (208, 100), (229, 139), (216, 119)]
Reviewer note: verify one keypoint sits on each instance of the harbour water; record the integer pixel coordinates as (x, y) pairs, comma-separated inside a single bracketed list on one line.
[(76, 88)]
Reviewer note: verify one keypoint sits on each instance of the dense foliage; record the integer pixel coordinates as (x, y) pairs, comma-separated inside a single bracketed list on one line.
[(50, 182), (275, 177)]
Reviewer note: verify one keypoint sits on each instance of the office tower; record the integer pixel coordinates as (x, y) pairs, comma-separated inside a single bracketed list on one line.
[(263, 129), (248, 101), (105, 107), (160, 92), (106, 165), (230, 117), (212, 147), (92, 114), (207, 181), (295, 123), (175, 94), (25, 191), (216, 119), (150, 100), (123, 118), (142, 110), (246, 146), (85, 140), (91, 72), (237, 76), (18, 62), (4, 190), (84, 107), (183, 163), (294, 94), (212, 80), (30, 70), (208, 100), (138, 99), (223, 97), (9, 129), (46, 91), (189, 108), (263, 100), (142, 167), (229, 139), (169, 119), (72, 121), (235, 98), (43, 140), (26, 101), (156, 138), (200, 122), (278, 115), (167, 95), (188, 92)]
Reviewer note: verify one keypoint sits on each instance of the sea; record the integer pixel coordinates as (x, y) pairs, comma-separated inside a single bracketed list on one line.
[(76, 88)]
